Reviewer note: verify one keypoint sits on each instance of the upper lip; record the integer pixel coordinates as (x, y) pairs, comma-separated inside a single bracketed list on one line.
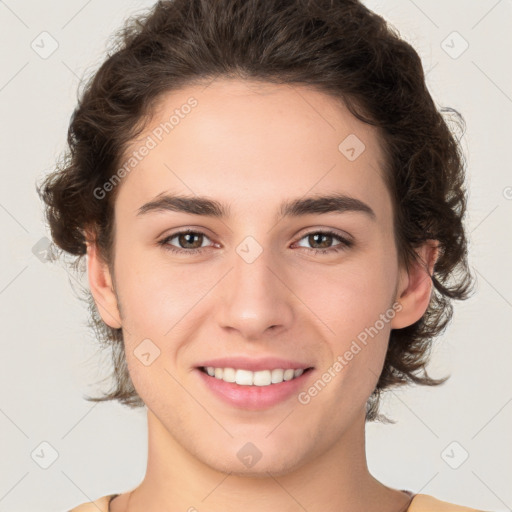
[(254, 365)]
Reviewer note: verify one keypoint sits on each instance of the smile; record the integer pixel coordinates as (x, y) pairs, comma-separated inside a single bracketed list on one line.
[(254, 391), (249, 378)]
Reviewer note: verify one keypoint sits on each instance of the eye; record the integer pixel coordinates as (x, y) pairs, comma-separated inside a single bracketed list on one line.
[(185, 238), (191, 242), (319, 237)]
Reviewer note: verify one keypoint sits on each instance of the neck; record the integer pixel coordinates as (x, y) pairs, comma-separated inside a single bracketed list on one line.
[(335, 480)]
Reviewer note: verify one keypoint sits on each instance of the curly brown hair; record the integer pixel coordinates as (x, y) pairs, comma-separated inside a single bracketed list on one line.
[(339, 47)]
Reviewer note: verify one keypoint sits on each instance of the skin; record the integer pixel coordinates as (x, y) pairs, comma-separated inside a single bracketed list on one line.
[(250, 146)]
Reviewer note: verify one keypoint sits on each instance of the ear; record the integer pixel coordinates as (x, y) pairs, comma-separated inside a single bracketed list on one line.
[(100, 282), (415, 286)]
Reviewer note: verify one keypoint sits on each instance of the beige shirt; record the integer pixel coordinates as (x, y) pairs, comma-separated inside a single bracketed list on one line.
[(420, 503)]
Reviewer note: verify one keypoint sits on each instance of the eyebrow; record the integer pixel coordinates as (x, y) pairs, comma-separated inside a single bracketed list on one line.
[(199, 205)]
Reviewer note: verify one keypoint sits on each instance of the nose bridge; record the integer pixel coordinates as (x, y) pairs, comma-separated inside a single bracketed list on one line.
[(254, 298), (252, 269)]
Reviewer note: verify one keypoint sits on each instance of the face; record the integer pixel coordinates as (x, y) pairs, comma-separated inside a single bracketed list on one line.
[(310, 287)]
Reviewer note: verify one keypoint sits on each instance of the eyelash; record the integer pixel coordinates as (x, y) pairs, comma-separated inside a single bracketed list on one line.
[(343, 245)]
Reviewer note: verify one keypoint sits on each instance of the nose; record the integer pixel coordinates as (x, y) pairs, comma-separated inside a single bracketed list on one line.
[(254, 299)]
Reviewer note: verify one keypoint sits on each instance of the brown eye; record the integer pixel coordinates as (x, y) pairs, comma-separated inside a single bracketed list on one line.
[(188, 242), (321, 242), (320, 238)]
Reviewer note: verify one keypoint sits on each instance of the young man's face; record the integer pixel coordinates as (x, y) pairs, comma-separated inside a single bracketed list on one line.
[(262, 285)]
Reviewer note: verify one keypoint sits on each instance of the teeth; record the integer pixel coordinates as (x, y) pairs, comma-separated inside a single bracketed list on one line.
[(229, 375), (248, 378), (245, 377)]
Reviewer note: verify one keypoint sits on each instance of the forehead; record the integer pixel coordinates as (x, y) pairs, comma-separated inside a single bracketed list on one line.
[(245, 142)]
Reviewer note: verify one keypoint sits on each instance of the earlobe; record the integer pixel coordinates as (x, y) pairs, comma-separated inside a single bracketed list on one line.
[(100, 282), (415, 286)]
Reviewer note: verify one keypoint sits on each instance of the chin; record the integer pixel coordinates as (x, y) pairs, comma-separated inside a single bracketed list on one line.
[(251, 462)]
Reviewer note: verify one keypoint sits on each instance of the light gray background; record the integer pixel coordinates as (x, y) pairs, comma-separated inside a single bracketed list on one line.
[(49, 359)]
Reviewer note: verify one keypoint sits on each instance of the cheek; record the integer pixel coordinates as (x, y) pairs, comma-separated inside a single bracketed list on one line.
[(357, 311), (355, 303), (351, 297), (156, 295)]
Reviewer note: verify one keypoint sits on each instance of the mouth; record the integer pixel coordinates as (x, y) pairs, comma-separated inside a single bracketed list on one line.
[(258, 378), (262, 389)]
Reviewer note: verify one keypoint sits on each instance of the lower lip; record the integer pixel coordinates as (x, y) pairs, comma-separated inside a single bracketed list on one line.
[(254, 397)]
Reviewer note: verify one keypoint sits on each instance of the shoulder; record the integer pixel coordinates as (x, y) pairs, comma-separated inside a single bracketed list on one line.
[(424, 503), (99, 505), (420, 503)]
